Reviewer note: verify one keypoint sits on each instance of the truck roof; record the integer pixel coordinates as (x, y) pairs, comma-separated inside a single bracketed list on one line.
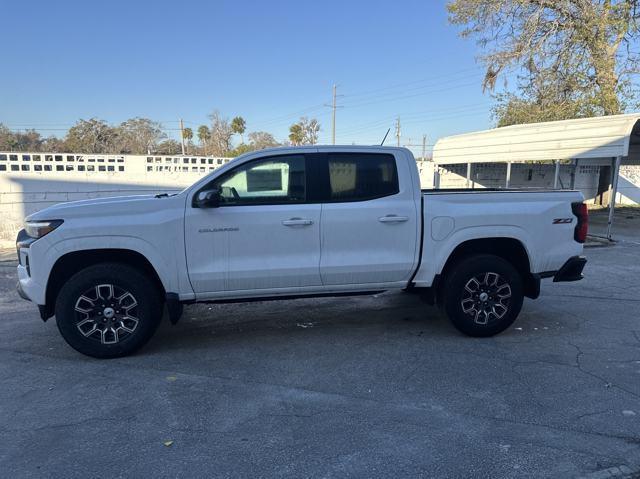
[(327, 148)]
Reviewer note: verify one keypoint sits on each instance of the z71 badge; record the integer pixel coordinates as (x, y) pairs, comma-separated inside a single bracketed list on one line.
[(562, 221)]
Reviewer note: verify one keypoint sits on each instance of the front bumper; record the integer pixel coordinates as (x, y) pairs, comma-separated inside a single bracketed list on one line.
[(571, 270)]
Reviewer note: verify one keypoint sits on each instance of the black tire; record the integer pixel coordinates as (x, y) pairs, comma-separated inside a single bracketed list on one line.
[(119, 301), (477, 314)]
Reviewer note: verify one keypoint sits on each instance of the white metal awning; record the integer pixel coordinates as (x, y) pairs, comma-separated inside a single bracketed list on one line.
[(584, 138)]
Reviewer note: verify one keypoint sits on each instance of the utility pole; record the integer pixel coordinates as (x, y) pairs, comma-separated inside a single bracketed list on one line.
[(333, 118), (398, 130), (182, 135), (334, 106), (424, 147)]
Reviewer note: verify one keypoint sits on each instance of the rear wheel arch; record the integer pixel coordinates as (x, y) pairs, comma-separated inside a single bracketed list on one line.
[(71, 263), (509, 249)]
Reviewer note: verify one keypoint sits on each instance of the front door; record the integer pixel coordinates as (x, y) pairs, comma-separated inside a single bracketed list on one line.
[(263, 236)]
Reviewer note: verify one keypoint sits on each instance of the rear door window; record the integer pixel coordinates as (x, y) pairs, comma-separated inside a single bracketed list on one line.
[(361, 176)]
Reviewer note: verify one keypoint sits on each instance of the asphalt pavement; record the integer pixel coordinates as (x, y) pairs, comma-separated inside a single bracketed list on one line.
[(379, 386)]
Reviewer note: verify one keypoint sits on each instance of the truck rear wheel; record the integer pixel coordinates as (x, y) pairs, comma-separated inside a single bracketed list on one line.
[(483, 295), (108, 310)]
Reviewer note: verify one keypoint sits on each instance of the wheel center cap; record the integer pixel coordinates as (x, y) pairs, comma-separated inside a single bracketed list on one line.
[(108, 313), (483, 297)]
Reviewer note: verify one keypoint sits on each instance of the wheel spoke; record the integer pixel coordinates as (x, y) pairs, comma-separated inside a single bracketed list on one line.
[(127, 301), (128, 328), (87, 331), (472, 282), (104, 291), (106, 313), (491, 279), (86, 302), (504, 291)]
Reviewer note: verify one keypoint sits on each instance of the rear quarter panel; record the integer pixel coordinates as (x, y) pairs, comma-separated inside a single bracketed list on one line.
[(453, 218)]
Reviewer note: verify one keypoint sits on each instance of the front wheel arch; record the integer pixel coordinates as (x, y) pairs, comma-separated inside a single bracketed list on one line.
[(71, 263)]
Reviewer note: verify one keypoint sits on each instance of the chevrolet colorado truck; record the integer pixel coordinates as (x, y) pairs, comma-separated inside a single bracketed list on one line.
[(295, 222)]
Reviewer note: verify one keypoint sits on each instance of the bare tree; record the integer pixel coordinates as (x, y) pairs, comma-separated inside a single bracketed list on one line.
[(221, 133)]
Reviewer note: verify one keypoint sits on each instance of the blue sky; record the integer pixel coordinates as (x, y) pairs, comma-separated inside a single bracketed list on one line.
[(270, 62)]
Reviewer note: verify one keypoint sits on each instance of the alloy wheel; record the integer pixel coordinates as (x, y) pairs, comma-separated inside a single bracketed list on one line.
[(486, 297), (106, 313)]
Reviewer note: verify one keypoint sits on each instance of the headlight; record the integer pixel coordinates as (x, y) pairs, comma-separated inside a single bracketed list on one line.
[(38, 229)]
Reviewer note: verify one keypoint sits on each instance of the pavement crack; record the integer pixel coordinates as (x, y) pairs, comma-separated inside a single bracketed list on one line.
[(579, 354)]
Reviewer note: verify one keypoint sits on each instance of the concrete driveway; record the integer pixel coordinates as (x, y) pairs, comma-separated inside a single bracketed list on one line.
[(359, 387)]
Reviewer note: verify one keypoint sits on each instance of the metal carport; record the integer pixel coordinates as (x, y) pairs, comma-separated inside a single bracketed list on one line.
[(613, 140)]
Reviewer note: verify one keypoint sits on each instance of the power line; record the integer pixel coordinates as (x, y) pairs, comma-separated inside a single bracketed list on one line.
[(415, 115), (398, 85)]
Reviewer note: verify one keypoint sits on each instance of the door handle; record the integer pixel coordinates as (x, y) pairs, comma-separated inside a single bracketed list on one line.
[(393, 219), (297, 222)]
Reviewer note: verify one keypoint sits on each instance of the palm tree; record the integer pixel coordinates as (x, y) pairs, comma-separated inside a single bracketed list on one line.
[(187, 134), (238, 125), (204, 135)]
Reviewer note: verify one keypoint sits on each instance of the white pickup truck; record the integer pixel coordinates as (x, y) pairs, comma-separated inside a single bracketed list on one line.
[(295, 222)]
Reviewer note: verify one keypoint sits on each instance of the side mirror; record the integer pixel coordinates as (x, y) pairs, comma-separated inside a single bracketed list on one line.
[(207, 198)]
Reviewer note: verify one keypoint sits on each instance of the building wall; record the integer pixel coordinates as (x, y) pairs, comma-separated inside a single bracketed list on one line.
[(32, 181)]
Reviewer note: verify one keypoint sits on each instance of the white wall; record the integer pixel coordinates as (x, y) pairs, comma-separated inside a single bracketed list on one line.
[(25, 186)]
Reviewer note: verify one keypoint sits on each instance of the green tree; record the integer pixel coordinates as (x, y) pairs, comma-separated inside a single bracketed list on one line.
[(238, 125), (139, 136), (187, 134), (204, 135), (259, 140), (304, 132), (296, 134), (169, 147), (574, 55), (30, 140), (92, 136)]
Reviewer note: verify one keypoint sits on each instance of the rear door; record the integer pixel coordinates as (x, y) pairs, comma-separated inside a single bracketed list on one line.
[(369, 225)]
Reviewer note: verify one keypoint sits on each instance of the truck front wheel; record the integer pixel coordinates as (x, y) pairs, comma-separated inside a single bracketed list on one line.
[(483, 295), (108, 310)]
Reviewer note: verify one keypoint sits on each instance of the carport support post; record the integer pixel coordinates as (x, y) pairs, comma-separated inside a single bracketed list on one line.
[(468, 175), (614, 191), (436, 177), (508, 180), (556, 175)]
